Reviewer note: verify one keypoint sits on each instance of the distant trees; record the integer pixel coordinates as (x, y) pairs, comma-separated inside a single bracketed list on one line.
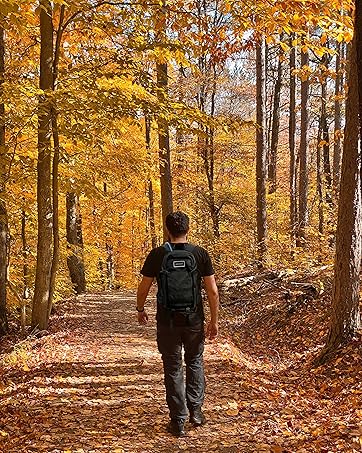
[(165, 109)]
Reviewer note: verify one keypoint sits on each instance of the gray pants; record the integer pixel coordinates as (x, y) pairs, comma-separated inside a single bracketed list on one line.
[(170, 340)]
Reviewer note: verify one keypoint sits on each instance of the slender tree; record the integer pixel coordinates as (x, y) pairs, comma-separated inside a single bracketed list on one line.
[(150, 191), (75, 258), (303, 153), (292, 151), (163, 128), (261, 151), (40, 314), (55, 169), (345, 313), (272, 167), (3, 209), (337, 148)]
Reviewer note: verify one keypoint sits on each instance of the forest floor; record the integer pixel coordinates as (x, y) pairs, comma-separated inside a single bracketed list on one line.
[(94, 383)]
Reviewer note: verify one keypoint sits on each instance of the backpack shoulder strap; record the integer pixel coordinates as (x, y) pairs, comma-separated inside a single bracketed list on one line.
[(168, 247)]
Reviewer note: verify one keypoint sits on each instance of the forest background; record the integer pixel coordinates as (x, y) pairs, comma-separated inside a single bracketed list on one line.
[(116, 113)]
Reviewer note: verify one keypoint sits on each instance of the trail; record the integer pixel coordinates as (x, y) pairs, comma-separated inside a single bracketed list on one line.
[(96, 385)]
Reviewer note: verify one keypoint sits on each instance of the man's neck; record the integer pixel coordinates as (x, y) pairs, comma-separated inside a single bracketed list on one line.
[(179, 240)]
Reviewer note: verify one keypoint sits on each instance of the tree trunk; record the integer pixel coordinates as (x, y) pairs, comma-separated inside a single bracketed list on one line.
[(292, 153), (3, 210), (44, 193), (261, 152), (55, 200), (150, 185), (303, 157), (55, 172), (272, 169), (337, 149), (75, 258), (164, 150), (345, 313), (320, 181), (325, 135), (25, 252), (358, 32)]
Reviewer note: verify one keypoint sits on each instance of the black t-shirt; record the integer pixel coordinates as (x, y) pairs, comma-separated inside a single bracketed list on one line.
[(152, 267)]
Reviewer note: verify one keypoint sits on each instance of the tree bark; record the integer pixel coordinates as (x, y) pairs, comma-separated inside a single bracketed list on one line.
[(261, 152), (358, 38), (292, 153), (150, 185), (272, 168), (163, 128), (303, 157), (345, 313), (40, 314), (325, 136), (75, 258), (3, 210), (55, 171), (337, 148), (320, 181), (25, 253), (164, 150)]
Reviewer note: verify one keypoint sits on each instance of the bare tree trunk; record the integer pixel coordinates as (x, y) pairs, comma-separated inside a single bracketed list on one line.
[(320, 181), (337, 149), (26, 290), (272, 168), (345, 313), (292, 151), (358, 38), (150, 185), (3, 210), (75, 258), (55, 172), (44, 193), (163, 128), (303, 157), (164, 151), (325, 135), (261, 152)]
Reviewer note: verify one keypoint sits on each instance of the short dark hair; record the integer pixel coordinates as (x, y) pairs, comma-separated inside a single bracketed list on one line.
[(177, 224)]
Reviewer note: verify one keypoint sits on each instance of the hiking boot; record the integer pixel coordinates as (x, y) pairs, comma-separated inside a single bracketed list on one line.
[(176, 428), (197, 418)]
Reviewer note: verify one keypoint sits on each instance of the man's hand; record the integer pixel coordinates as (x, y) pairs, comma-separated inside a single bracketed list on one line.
[(212, 330), (142, 292), (142, 317)]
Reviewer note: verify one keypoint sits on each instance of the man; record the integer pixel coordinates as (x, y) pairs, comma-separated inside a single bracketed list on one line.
[(177, 330)]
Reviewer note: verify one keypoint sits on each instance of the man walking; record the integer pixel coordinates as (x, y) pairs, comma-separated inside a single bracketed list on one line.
[(179, 268)]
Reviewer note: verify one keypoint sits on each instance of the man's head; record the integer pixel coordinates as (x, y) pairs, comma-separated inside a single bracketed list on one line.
[(177, 224)]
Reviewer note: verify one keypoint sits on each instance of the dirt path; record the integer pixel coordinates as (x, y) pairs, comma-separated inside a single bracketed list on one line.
[(96, 385)]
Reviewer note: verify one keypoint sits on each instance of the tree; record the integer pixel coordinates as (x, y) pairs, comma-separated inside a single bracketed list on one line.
[(40, 314), (345, 313), (292, 153), (163, 129), (3, 209), (75, 259), (261, 151), (337, 148), (272, 164), (303, 151)]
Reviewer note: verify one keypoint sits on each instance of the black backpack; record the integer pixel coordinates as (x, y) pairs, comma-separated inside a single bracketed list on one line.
[(179, 289)]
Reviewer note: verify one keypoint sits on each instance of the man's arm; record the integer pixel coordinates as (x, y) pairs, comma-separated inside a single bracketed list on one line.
[(142, 293), (213, 297)]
